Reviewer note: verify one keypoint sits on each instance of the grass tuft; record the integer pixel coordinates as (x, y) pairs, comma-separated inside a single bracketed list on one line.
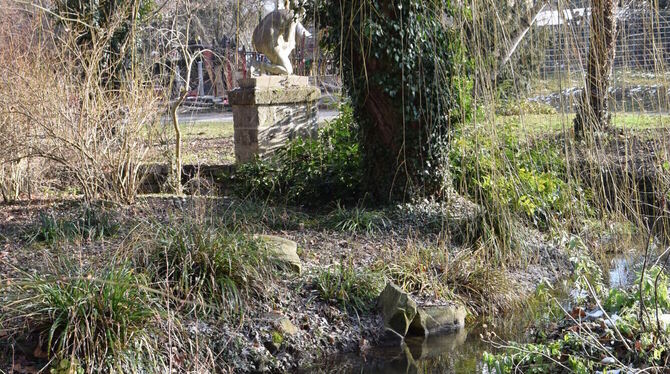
[(206, 264), (442, 274), (357, 220), (72, 315), (350, 288), (89, 223)]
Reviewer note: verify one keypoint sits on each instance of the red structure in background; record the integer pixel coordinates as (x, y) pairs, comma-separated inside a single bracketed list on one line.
[(221, 68), (222, 64)]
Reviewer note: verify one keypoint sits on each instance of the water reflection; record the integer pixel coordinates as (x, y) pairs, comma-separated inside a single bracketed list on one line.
[(462, 352), (621, 272), (458, 352)]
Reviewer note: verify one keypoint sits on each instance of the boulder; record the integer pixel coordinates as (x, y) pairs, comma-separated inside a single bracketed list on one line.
[(285, 251), (402, 314), (398, 308), (442, 318)]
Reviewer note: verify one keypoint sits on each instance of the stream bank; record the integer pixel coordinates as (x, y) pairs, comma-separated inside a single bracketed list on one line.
[(464, 351), (285, 319)]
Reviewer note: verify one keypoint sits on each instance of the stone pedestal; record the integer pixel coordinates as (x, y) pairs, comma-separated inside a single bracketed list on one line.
[(270, 110)]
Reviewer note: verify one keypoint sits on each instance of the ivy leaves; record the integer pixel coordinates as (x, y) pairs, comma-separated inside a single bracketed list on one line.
[(399, 55)]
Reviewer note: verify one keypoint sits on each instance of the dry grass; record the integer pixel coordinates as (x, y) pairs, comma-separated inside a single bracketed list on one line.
[(445, 273), (56, 106)]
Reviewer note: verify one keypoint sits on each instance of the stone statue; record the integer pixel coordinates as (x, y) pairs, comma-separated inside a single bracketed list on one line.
[(270, 110), (275, 37)]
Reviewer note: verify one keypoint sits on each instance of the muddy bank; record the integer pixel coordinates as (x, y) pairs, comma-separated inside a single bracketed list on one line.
[(293, 323)]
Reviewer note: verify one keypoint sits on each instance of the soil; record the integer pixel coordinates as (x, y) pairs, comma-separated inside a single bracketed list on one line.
[(323, 327), (198, 149)]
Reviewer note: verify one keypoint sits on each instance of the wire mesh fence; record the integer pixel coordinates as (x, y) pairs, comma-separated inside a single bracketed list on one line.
[(561, 37), (643, 39)]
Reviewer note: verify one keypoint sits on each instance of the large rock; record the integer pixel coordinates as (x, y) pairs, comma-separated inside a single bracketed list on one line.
[(398, 308), (442, 318), (402, 314), (285, 250)]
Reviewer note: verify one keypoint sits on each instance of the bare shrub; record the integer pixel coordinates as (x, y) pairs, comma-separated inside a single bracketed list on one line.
[(14, 171), (58, 102)]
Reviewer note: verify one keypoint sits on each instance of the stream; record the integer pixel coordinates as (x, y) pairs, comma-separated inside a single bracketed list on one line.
[(462, 352)]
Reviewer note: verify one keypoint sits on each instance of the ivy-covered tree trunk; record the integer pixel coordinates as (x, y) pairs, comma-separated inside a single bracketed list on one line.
[(593, 114), (383, 152), (400, 62)]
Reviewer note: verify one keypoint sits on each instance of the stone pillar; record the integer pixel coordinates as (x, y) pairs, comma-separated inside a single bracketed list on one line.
[(270, 110)]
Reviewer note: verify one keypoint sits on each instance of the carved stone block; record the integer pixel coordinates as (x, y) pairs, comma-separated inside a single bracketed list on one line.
[(268, 111)]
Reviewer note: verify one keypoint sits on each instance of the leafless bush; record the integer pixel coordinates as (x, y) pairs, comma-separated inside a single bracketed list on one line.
[(13, 171), (57, 103)]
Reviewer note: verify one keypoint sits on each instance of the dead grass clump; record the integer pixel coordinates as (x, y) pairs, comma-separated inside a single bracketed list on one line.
[(204, 264), (439, 273)]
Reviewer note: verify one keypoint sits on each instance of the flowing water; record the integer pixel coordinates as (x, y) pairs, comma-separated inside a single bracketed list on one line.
[(462, 352)]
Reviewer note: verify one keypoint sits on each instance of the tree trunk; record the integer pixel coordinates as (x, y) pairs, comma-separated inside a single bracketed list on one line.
[(385, 157), (402, 64), (177, 167), (593, 114), (393, 147)]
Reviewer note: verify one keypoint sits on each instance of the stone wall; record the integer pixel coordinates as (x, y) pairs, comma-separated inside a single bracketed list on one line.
[(197, 179), (627, 99)]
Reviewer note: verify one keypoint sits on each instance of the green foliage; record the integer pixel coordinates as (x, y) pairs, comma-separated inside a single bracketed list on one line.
[(78, 315), (277, 338), (348, 287), (617, 299), (356, 220), (402, 66), (539, 358), (90, 223), (587, 276), (654, 291), (206, 264), (505, 173), (309, 172), (579, 346), (523, 107)]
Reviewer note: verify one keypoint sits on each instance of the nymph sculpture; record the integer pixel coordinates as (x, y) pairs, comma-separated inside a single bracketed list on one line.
[(275, 37)]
